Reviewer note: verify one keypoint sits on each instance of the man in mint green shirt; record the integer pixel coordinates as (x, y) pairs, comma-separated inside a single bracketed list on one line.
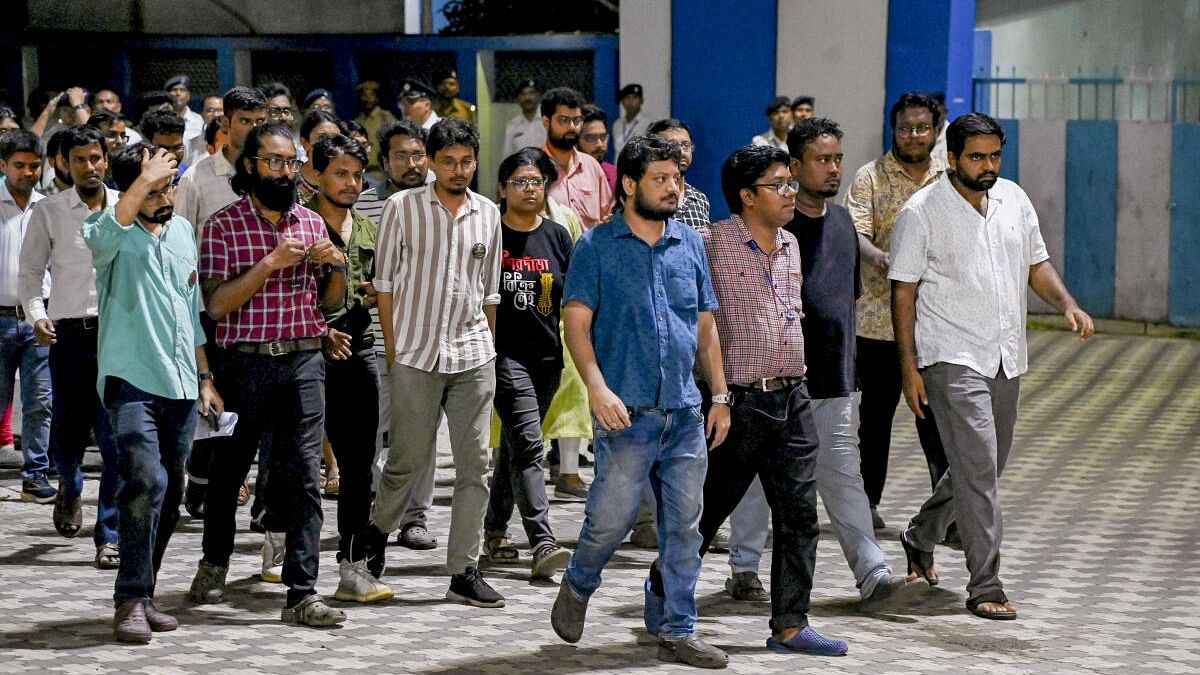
[(152, 369)]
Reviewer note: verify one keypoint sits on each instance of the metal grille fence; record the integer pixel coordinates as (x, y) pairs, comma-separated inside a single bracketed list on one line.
[(572, 69), (300, 71), (389, 69), (151, 68), (1146, 97)]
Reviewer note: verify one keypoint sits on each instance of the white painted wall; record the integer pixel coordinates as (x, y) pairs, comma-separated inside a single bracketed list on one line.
[(645, 57), (836, 51)]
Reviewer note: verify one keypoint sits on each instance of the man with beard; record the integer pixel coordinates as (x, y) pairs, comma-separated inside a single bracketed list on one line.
[(963, 252), (439, 251), (372, 117), (636, 331), (21, 166), (693, 205), (525, 130), (262, 260), (151, 371), (581, 185), (69, 325), (448, 103), (201, 192), (179, 88), (779, 115), (876, 196), (407, 166), (593, 140)]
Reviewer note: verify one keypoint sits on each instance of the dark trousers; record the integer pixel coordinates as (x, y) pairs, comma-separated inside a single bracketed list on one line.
[(154, 436), (285, 397), (878, 365), (772, 436), (76, 409), (351, 423), (523, 395)]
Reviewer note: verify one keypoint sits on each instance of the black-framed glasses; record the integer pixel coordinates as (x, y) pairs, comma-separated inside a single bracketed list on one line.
[(594, 138), (784, 188), (919, 130), (407, 158), (569, 121), (523, 183), (277, 163), (280, 112)]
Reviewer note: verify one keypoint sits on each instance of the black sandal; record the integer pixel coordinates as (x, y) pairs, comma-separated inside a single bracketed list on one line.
[(920, 563), (998, 597)]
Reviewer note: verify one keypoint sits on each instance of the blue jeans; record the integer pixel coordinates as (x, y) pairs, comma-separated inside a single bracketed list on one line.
[(20, 351), (665, 449), (77, 409), (154, 437)]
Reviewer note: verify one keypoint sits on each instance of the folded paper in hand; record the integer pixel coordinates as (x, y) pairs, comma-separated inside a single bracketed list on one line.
[(204, 429)]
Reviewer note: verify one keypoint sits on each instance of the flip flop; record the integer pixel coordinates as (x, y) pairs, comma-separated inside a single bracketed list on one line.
[(1006, 613), (500, 552), (920, 563)]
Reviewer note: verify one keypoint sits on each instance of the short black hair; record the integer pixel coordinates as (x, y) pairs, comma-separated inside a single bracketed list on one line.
[(19, 140), (916, 99), (162, 122), (243, 98), (777, 103), (969, 125), (804, 132), (315, 118), (79, 136), (637, 155), (452, 131), (127, 163), (106, 117), (151, 99), (402, 128), (54, 143), (557, 96), (330, 147), (593, 113), (940, 97), (273, 89), (211, 130), (7, 113), (669, 123), (744, 167), (355, 127), (535, 157), (242, 179), (802, 100)]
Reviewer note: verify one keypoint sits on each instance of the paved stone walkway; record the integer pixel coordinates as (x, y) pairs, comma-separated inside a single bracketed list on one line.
[(1101, 548)]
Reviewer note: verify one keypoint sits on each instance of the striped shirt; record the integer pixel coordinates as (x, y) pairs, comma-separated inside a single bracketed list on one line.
[(13, 222), (760, 307), (441, 270)]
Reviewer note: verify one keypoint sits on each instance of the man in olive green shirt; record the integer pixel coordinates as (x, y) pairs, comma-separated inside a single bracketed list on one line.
[(152, 369)]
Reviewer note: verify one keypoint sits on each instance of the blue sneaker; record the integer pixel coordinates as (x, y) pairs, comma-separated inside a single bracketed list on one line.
[(809, 641), (655, 608)]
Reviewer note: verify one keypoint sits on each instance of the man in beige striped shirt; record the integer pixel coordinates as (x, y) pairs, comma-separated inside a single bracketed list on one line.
[(438, 276)]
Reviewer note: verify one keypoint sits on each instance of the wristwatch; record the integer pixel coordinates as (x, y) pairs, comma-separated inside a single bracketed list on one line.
[(726, 398), (206, 375)]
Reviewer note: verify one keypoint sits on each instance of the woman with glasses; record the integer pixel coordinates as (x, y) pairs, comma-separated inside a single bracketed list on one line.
[(529, 358)]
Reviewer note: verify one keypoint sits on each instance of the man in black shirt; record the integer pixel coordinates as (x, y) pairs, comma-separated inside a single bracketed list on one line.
[(829, 259)]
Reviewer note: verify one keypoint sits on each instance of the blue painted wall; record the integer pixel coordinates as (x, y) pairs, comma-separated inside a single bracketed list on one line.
[(1091, 213), (1184, 294), (1010, 168), (722, 77)]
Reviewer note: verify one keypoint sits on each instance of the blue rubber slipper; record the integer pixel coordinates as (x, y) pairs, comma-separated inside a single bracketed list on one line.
[(809, 641)]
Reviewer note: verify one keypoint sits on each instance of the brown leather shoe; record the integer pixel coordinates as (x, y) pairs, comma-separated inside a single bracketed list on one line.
[(129, 623), (160, 622)]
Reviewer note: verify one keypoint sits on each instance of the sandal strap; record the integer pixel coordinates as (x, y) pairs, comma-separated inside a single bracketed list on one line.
[(997, 596)]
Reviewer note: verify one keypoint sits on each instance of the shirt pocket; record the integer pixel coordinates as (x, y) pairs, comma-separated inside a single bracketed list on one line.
[(682, 292)]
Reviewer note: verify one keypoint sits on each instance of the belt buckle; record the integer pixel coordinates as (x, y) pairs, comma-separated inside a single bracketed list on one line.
[(275, 348), (762, 384)]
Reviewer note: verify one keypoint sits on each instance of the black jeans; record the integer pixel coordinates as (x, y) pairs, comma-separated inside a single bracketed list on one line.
[(878, 365), (523, 395), (351, 423), (772, 436), (285, 397)]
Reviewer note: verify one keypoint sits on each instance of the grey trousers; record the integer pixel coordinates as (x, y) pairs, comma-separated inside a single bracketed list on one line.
[(418, 400), (422, 494), (976, 415)]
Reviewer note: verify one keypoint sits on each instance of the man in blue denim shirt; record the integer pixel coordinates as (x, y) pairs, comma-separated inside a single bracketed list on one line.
[(638, 311)]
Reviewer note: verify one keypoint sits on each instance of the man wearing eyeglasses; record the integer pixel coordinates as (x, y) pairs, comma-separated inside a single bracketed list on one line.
[(437, 274), (263, 261), (594, 138), (581, 183), (876, 196), (693, 206)]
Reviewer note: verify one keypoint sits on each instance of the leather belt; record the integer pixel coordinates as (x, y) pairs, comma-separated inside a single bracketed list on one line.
[(770, 384), (84, 323), (16, 312), (278, 347)]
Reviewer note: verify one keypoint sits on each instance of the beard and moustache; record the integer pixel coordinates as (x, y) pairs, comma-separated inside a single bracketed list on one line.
[(277, 193), (160, 215), (981, 183), (564, 142), (647, 210)]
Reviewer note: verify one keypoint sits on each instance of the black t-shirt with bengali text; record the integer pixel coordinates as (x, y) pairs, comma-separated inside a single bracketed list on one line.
[(830, 265), (532, 272)]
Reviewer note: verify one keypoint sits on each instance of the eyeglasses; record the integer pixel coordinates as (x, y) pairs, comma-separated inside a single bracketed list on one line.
[(525, 183), (790, 187), (920, 130), (279, 112), (594, 138), (166, 192), (406, 158), (569, 121), (176, 150), (686, 145), (214, 111), (277, 163), (451, 165)]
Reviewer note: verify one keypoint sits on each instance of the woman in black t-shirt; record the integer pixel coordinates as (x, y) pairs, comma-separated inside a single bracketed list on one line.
[(529, 358)]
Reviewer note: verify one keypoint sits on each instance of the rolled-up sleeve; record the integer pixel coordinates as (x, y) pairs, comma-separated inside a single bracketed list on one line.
[(388, 248)]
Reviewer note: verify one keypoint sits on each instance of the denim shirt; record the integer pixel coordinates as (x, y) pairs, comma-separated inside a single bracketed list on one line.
[(645, 302)]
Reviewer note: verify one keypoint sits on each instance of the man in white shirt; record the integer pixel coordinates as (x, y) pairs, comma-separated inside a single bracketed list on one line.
[(525, 130), (963, 251), (632, 123), (69, 326), (779, 115), (21, 165), (179, 88)]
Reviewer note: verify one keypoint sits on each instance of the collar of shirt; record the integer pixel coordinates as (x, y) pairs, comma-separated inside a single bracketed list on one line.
[(781, 242), (893, 166), (286, 219), (670, 231), (6, 196), (471, 204), (573, 167), (74, 201)]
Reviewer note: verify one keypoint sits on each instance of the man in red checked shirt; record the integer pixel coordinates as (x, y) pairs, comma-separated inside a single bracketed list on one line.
[(265, 264)]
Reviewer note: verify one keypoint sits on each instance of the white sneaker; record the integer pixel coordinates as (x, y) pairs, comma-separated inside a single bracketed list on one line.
[(273, 550), (359, 585)]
